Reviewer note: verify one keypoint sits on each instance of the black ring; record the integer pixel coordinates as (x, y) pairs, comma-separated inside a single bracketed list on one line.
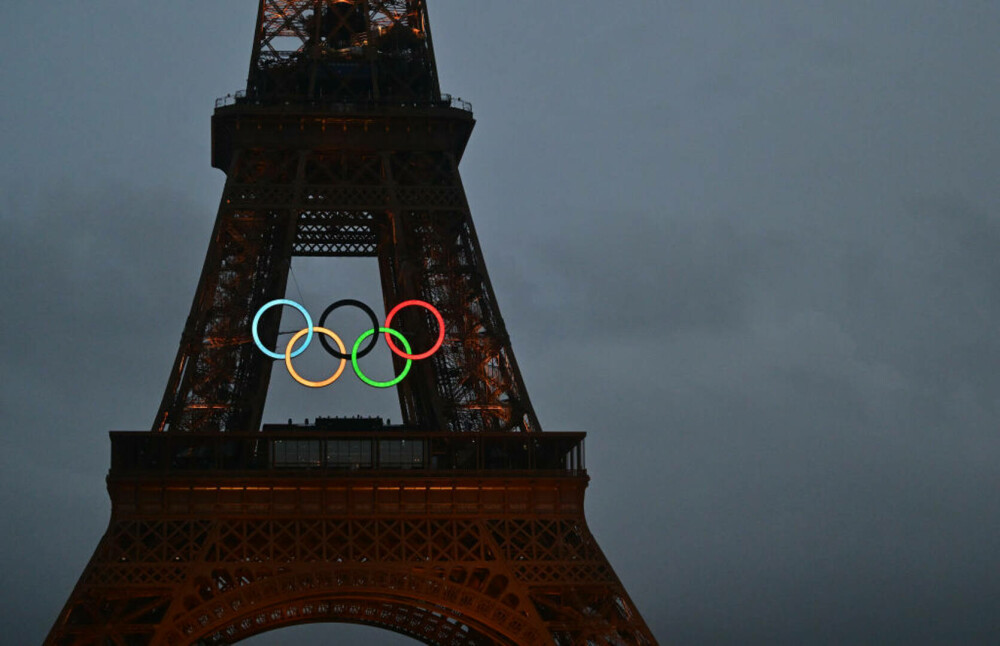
[(367, 310)]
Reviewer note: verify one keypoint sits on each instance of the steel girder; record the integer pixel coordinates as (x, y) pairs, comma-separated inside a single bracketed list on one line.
[(468, 561), (368, 51)]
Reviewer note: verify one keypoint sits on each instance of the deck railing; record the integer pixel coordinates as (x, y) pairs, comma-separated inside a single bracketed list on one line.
[(343, 453), (333, 105)]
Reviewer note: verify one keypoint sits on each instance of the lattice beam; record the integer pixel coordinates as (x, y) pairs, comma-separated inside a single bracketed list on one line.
[(376, 51), (184, 564)]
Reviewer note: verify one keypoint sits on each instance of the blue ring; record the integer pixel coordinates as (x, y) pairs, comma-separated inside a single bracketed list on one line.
[(282, 301)]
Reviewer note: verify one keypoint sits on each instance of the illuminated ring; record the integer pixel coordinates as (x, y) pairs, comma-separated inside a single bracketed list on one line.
[(308, 328), (306, 382), (362, 376), (367, 310), (405, 355)]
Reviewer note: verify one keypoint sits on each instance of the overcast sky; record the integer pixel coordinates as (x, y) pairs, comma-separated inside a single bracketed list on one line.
[(750, 248)]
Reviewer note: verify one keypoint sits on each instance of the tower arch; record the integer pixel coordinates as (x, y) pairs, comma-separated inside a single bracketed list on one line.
[(439, 608)]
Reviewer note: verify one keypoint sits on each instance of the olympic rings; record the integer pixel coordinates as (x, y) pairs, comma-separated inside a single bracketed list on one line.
[(434, 348), (282, 301), (356, 353), (364, 308), (361, 375), (306, 382)]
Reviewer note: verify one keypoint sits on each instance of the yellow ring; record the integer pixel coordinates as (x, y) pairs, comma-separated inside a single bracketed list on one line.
[(306, 382)]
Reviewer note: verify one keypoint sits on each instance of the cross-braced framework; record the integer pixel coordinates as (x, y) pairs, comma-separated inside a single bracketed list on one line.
[(353, 52), (470, 539), (462, 526)]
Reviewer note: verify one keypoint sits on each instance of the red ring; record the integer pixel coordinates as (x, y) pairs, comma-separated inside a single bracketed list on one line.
[(433, 310)]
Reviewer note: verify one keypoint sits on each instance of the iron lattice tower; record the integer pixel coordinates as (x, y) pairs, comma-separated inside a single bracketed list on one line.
[(465, 524)]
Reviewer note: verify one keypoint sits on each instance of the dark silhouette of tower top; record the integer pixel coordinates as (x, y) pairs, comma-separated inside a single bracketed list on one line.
[(344, 52)]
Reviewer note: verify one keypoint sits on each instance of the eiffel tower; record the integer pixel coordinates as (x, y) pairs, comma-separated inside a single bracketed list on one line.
[(462, 525)]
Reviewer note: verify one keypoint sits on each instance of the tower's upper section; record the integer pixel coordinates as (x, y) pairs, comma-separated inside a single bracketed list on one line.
[(343, 51)]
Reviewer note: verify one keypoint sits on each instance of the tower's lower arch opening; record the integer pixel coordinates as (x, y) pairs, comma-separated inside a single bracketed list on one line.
[(429, 606), (328, 634), (424, 622)]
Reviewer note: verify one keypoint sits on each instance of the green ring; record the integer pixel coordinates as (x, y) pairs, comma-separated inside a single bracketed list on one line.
[(372, 382)]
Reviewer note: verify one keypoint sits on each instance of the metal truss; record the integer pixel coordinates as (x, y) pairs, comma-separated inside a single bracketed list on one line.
[(373, 51), (475, 561)]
